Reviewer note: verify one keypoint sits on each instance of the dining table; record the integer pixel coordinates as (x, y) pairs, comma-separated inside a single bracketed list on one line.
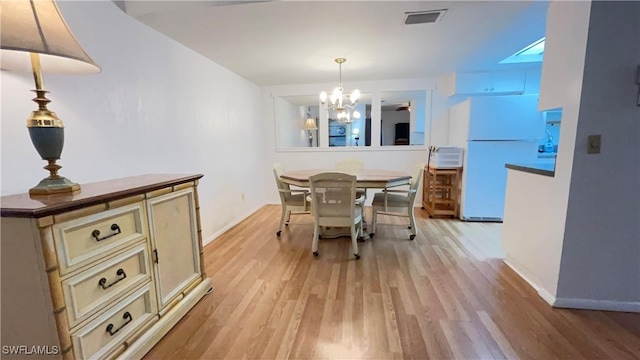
[(365, 178)]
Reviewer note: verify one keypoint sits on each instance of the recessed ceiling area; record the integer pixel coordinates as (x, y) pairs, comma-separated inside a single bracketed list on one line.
[(296, 42), (531, 53)]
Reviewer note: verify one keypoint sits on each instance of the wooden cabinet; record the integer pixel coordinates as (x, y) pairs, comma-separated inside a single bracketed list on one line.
[(89, 291), (441, 191), (103, 273), (88, 238), (174, 239), (487, 83)]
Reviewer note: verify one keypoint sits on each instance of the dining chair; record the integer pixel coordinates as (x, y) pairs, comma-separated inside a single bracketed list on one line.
[(333, 201), (294, 202), (352, 165), (398, 202), (349, 164)]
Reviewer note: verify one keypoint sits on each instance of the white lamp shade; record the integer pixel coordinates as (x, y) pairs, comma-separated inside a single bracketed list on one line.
[(37, 26), (310, 124)]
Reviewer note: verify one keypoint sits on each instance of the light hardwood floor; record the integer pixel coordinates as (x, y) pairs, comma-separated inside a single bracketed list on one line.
[(445, 295)]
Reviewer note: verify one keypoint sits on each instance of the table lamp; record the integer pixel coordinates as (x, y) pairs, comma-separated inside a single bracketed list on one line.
[(34, 37), (356, 135), (310, 125)]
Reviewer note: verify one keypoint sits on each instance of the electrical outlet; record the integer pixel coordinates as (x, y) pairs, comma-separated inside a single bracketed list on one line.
[(593, 144)]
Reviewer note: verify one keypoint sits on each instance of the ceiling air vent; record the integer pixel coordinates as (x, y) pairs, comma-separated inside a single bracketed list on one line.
[(423, 17)]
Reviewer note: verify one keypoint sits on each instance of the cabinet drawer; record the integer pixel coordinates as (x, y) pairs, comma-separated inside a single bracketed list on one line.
[(99, 337), (84, 240), (93, 289)]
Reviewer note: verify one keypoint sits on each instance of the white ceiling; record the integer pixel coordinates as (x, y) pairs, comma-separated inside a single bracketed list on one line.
[(295, 42)]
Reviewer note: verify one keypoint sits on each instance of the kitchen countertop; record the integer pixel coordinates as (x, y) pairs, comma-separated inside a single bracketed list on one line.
[(540, 169), (546, 155)]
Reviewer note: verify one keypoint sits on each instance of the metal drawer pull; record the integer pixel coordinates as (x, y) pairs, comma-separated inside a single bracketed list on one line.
[(103, 281), (127, 317), (114, 227)]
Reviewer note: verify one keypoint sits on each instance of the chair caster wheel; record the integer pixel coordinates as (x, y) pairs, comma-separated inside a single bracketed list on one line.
[(357, 256), (320, 237), (422, 208), (409, 227), (286, 224), (372, 235), (430, 216), (278, 233), (412, 237), (316, 254)]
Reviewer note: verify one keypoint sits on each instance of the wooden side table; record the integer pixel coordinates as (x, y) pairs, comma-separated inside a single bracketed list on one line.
[(441, 191)]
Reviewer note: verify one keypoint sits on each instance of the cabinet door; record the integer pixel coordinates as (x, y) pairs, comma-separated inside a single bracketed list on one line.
[(473, 83), (174, 239), (489, 83), (507, 82)]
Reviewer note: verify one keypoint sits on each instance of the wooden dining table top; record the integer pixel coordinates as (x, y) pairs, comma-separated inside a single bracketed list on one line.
[(366, 178)]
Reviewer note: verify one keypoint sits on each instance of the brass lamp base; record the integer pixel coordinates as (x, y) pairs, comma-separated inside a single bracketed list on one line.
[(47, 135), (55, 185)]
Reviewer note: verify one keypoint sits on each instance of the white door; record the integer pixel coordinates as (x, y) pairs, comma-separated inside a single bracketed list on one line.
[(174, 241)]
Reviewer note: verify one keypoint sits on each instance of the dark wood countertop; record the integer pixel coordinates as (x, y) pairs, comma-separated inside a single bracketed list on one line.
[(540, 169), (32, 206)]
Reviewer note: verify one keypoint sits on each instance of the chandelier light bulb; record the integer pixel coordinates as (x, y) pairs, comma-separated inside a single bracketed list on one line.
[(340, 103), (355, 95), (336, 96)]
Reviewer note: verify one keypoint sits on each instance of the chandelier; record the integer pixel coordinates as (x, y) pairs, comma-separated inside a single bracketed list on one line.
[(343, 105)]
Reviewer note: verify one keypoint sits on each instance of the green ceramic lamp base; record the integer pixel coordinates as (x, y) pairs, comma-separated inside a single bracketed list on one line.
[(54, 186)]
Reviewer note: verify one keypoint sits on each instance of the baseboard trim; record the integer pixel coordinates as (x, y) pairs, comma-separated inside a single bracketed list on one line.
[(515, 266), (230, 225), (544, 294), (573, 303), (605, 305)]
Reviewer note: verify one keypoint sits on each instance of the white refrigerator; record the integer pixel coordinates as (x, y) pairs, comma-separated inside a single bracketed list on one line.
[(493, 130)]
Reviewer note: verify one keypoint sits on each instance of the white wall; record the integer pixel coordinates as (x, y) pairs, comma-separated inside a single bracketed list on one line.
[(360, 125), (535, 205), (601, 251), (312, 111), (418, 116), (389, 120), (291, 120), (157, 107), (576, 236), (440, 105)]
